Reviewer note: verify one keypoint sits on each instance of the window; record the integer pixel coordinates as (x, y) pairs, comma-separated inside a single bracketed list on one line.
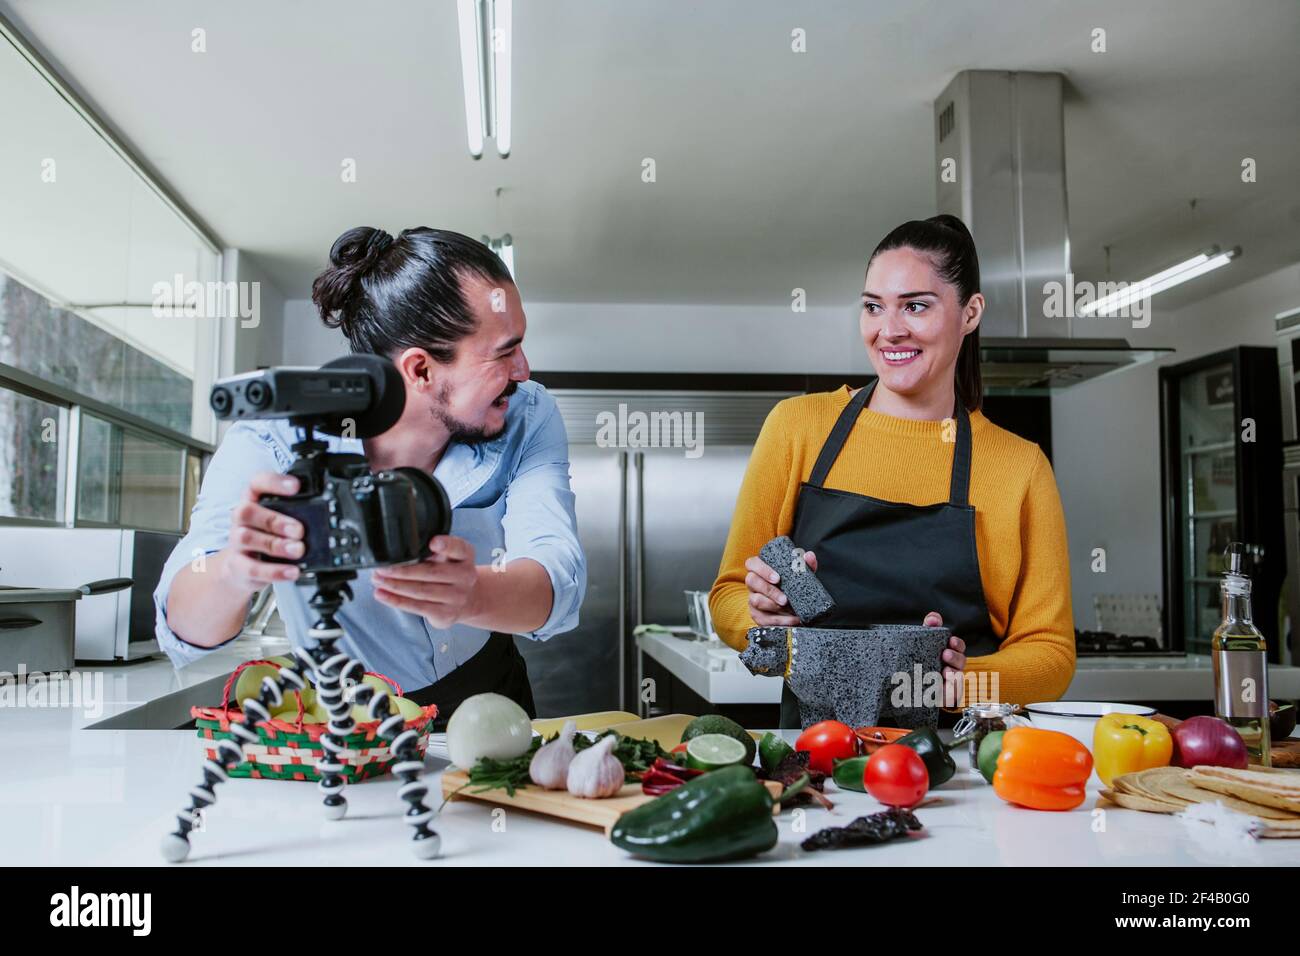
[(133, 480), (103, 372), (30, 457), (65, 349)]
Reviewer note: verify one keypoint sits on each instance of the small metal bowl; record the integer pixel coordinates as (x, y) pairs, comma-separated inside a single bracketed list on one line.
[(873, 738)]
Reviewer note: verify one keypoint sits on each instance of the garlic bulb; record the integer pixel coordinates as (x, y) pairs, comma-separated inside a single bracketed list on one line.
[(550, 765), (596, 772)]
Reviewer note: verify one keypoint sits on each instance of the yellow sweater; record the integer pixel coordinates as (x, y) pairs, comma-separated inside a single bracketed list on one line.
[(1019, 526)]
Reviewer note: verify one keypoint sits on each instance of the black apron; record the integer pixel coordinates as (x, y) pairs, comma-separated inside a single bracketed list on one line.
[(887, 562), (498, 668)]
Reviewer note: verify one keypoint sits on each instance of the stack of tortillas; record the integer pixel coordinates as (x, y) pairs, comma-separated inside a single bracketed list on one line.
[(1271, 796)]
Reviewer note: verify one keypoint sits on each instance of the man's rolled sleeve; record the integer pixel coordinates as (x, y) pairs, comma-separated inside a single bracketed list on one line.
[(540, 522), (244, 451)]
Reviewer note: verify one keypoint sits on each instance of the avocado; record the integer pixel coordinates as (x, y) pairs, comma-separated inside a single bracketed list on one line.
[(717, 724)]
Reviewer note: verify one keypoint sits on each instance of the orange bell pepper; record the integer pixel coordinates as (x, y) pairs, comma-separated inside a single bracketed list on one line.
[(1124, 743), (1042, 769)]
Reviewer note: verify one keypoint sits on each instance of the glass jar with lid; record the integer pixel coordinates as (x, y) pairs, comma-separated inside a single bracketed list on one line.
[(980, 720)]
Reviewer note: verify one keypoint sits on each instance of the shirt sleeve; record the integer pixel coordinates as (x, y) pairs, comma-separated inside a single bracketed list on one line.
[(244, 450), (763, 507), (540, 522), (1036, 658)]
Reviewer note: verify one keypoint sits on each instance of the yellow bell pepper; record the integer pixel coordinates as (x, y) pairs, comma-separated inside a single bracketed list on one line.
[(1124, 743)]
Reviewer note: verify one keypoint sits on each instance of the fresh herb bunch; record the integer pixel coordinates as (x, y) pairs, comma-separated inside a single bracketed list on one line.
[(492, 774), (636, 756)]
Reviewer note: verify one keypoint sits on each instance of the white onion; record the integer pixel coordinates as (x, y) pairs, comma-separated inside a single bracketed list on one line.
[(487, 725)]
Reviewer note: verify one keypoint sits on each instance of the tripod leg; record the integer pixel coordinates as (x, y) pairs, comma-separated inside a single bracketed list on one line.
[(332, 669), (175, 846), (407, 767)]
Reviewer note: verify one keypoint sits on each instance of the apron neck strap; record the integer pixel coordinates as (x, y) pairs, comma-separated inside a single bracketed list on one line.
[(835, 441), (959, 487)]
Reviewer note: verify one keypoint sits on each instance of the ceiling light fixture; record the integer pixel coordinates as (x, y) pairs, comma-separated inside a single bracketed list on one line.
[(485, 42), (1199, 264), (504, 247)]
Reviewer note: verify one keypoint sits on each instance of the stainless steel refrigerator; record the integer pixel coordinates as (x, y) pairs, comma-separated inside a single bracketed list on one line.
[(653, 522), (1222, 454)]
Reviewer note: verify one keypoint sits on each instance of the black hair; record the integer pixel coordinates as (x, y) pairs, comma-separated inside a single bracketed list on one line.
[(952, 250), (391, 294)]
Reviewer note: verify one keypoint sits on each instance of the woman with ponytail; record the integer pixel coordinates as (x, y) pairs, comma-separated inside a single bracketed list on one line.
[(910, 505)]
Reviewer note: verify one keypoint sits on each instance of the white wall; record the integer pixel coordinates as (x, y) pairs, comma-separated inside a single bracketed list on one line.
[(1106, 436), (305, 340), (579, 337), (245, 343), (257, 341)]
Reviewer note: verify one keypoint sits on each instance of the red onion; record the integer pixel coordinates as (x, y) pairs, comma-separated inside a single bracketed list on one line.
[(1208, 742)]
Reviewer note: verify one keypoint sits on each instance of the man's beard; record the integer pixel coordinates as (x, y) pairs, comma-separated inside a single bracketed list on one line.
[(462, 432)]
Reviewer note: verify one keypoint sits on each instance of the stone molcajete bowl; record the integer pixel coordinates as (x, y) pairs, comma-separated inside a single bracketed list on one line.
[(861, 677)]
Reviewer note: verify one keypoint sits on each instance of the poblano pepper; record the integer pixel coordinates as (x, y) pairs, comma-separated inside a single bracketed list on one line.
[(934, 754), (724, 814), (848, 773)]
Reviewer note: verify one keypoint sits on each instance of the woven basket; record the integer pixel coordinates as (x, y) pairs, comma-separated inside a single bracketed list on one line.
[(288, 749)]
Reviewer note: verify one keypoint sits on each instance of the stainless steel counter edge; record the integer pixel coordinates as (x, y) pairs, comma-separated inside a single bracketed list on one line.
[(716, 674)]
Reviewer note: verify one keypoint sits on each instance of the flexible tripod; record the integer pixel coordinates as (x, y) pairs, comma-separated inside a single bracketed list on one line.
[(333, 670)]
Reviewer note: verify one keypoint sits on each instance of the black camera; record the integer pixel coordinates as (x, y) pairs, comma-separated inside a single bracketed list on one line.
[(352, 518)]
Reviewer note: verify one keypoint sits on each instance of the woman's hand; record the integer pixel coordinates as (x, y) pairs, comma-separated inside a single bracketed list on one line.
[(954, 659), (441, 588), (768, 605)]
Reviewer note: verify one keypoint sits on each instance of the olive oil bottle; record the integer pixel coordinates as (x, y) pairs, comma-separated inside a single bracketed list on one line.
[(1240, 659)]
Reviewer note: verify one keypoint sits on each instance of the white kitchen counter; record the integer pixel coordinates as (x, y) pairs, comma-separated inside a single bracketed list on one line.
[(105, 797), (714, 672)]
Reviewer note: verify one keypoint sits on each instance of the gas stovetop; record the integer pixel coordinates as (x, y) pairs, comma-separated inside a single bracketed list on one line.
[(1106, 644)]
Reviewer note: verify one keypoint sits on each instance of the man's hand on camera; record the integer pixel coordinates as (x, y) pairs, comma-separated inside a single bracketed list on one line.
[(257, 531), (440, 589)]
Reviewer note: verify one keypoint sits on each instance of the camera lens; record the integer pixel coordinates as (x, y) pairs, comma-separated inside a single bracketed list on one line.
[(432, 506), (258, 394), (220, 400)]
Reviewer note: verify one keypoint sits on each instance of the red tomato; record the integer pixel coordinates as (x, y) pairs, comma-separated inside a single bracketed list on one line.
[(896, 776), (827, 742)]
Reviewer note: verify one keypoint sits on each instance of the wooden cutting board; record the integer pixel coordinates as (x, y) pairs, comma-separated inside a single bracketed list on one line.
[(666, 730), (550, 726), (562, 804)]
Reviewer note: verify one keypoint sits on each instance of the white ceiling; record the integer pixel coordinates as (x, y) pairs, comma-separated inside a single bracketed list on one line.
[(775, 169)]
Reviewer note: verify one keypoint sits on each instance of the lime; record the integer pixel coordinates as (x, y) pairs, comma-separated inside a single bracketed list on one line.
[(717, 724), (711, 751)]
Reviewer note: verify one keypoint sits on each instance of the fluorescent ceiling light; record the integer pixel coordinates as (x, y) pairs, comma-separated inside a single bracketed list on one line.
[(1198, 265), (507, 254), (485, 42), (475, 117), (505, 248), (503, 38)]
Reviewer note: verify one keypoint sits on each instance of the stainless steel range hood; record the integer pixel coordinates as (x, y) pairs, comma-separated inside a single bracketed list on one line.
[(1000, 145)]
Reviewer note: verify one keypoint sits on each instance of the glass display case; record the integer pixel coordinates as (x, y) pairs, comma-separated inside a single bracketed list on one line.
[(1221, 482)]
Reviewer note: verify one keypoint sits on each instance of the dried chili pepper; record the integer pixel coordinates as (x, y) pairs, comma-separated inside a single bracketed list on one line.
[(877, 828)]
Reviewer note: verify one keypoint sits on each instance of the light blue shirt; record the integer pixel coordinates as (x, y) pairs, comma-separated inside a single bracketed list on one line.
[(512, 500)]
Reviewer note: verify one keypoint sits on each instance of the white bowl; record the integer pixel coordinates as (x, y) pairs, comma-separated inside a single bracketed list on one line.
[(1078, 718)]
